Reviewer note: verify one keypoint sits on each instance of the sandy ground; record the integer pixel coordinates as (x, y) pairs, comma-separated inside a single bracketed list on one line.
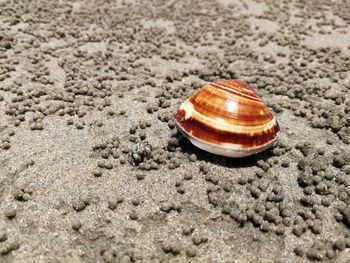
[(83, 84)]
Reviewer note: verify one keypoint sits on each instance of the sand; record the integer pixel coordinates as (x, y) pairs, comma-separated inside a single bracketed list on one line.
[(93, 169)]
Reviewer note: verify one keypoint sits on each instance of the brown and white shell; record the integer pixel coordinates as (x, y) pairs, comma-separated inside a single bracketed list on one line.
[(227, 117)]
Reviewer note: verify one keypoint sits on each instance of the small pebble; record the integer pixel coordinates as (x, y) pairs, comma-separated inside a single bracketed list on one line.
[(10, 213), (3, 235), (133, 215), (76, 225), (191, 252), (140, 176), (80, 204)]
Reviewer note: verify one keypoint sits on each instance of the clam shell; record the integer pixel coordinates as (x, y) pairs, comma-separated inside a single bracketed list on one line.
[(227, 117)]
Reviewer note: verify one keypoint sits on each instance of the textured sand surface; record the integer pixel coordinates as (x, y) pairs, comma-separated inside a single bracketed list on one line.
[(92, 168)]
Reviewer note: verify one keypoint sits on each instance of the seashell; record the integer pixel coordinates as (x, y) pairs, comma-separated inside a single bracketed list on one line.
[(227, 117)]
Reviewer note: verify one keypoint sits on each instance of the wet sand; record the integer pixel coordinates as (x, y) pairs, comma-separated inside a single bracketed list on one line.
[(84, 85)]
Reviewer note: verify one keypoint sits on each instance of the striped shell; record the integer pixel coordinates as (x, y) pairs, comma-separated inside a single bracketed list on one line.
[(227, 117)]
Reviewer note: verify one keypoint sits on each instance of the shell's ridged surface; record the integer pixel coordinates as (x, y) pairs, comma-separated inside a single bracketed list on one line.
[(228, 113)]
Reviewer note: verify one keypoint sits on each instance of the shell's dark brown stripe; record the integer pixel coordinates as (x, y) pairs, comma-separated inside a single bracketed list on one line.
[(239, 86), (236, 90), (225, 94), (212, 135), (235, 83), (212, 94), (212, 103)]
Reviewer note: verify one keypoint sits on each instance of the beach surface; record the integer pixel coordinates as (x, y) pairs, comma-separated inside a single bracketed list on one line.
[(93, 168)]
